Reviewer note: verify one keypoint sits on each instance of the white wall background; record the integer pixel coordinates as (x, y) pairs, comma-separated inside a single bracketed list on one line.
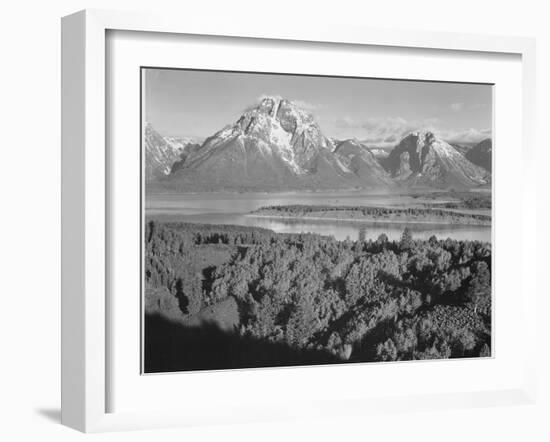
[(30, 221)]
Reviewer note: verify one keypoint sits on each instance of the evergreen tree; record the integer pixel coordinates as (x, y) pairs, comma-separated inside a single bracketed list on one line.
[(406, 242)]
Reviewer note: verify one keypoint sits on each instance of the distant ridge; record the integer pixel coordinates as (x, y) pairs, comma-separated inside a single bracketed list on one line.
[(159, 154), (162, 153), (423, 159), (481, 154)]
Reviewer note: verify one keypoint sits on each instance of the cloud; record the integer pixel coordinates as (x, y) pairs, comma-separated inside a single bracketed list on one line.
[(383, 132), (457, 106), (306, 105), (468, 136), (462, 106), (387, 132), (478, 106)]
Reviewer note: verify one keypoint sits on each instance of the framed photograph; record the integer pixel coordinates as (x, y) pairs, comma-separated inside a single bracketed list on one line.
[(279, 222)]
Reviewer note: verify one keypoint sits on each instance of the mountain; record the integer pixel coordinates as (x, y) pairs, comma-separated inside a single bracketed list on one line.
[(181, 143), (423, 159), (380, 152), (462, 148), (160, 154), (481, 154), (361, 161), (187, 150), (274, 145)]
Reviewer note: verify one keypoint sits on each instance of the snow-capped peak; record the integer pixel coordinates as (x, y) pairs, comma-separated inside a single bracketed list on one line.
[(427, 138), (424, 157), (160, 154), (275, 126)]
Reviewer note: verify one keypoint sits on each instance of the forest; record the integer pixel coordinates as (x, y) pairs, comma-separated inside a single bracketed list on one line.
[(221, 296), (460, 199), (368, 213)]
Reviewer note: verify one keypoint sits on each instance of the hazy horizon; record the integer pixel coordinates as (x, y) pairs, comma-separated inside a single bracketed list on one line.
[(199, 103)]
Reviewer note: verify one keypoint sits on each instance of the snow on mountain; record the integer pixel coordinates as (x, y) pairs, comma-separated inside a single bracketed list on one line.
[(274, 145), (422, 158), (161, 153), (181, 143), (462, 148), (380, 152), (360, 160)]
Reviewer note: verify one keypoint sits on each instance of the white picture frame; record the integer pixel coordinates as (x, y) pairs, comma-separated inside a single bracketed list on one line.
[(85, 310)]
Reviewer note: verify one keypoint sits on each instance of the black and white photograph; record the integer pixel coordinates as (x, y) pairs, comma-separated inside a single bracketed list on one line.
[(273, 222), (294, 220)]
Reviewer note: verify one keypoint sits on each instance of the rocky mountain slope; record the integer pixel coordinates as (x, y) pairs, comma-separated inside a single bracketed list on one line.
[(181, 143), (481, 154), (276, 146), (462, 148), (160, 154), (360, 160), (380, 152), (273, 146), (423, 159)]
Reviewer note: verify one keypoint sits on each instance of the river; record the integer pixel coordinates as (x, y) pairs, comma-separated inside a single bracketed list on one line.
[(233, 208)]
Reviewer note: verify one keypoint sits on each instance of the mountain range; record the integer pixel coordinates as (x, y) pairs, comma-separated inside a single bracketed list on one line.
[(163, 153), (275, 146), (481, 154), (423, 159)]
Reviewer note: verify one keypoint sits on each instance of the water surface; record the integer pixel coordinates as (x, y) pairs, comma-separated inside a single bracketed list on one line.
[(233, 208)]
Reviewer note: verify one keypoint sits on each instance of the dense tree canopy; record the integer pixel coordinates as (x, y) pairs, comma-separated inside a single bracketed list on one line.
[(362, 301), (430, 213)]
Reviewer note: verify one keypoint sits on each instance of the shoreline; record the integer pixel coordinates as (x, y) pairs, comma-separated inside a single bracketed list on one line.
[(380, 221)]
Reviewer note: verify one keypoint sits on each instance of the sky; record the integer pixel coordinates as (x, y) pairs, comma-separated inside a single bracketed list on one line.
[(378, 111)]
